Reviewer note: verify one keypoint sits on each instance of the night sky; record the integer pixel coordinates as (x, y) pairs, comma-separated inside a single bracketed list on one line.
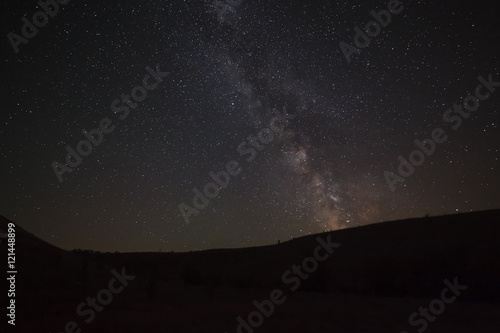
[(228, 70)]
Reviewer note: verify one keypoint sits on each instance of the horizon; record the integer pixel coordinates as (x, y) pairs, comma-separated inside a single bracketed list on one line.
[(279, 242)]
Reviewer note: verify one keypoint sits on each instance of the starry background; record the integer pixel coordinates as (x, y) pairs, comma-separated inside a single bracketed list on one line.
[(228, 69)]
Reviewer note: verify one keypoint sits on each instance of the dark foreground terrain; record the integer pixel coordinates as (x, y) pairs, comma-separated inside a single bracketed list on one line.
[(377, 278)]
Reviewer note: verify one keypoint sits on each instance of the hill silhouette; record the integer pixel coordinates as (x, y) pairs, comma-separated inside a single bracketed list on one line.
[(373, 282)]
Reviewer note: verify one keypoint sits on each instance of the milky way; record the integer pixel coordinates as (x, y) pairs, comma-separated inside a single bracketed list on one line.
[(232, 66)]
